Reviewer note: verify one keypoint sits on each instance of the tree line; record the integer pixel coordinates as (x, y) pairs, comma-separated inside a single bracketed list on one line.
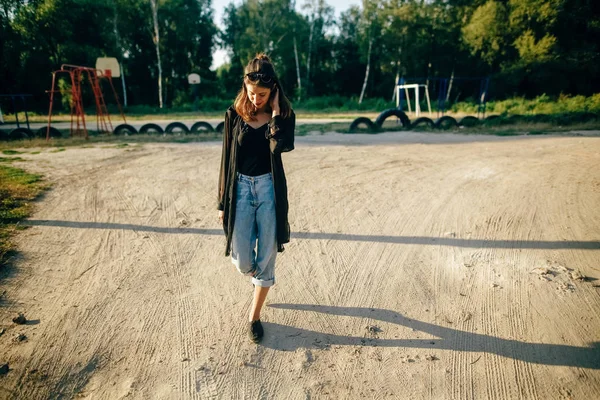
[(525, 47)]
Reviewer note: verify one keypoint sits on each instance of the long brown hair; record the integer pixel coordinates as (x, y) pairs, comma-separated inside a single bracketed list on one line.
[(260, 64)]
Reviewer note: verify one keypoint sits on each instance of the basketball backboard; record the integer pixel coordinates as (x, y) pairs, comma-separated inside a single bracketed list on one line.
[(193, 79), (108, 66)]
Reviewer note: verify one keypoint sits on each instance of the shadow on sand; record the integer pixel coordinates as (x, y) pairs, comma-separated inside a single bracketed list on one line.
[(288, 338), (420, 240)]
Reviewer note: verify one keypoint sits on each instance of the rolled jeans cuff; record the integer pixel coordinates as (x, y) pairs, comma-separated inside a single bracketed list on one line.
[(261, 283)]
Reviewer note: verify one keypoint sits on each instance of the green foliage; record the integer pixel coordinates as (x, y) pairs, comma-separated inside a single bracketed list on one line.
[(486, 33), (544, 104), (17, 189), (532, 50), (527, 47), (66, 98), (10, 159)]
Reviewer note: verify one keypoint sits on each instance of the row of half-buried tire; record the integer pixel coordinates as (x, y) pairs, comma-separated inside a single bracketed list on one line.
[(24, 133), (448, 122), (445, 122), (173, 127), (123, 129)]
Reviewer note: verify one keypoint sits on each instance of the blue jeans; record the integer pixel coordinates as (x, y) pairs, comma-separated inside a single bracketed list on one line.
[(254, 239)]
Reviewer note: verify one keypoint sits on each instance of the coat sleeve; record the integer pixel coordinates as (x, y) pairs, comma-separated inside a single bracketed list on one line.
[(225, 153), (281, 133)]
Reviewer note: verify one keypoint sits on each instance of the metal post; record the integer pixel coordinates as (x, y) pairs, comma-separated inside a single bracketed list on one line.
[(427, 96), (417, 105), (117, 99), (25, 109), (483, 88), (407, 99), (444, 94), (124, 89), (487, 85), (399, 97), (12, 99), (50, 109), (439, 99)]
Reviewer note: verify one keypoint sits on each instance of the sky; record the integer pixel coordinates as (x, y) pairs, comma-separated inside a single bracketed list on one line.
[(220, 56)]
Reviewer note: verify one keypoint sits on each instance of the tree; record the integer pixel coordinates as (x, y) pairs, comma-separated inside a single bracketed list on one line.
[(370, 29), (528, 47), (50, 33), (156, 40), (188, 39), (319, 18), (487, 33), (347, 61), (119, 48), (532, 22), (261, 26)]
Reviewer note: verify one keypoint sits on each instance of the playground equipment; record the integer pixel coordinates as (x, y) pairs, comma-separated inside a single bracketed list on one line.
[(444, 87), (19, 132), (94, 76), (13, 98), (416, 87)]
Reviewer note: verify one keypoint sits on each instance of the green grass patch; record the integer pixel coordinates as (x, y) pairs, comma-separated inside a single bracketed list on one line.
[(17, 191), (10, 159), (11, 152), (320, 129)]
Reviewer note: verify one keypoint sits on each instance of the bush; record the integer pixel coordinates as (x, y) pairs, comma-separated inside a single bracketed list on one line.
[(543, 104), (594, 103)]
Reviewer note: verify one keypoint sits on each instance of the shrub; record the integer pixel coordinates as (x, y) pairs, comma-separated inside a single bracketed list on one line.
[(542, 104)]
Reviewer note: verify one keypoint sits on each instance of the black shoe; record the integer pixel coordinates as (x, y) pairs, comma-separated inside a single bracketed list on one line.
[(255, 331)]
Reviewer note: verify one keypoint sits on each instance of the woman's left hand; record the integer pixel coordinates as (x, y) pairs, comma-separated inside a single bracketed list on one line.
[(275, 101)]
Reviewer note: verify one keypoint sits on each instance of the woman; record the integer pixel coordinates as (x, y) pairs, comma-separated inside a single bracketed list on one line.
[(253, 202)]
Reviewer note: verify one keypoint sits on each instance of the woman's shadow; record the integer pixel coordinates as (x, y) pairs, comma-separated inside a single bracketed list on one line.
[(288, 338)]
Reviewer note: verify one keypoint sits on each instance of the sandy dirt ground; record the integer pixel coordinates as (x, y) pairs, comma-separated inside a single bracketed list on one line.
[(421, 266)]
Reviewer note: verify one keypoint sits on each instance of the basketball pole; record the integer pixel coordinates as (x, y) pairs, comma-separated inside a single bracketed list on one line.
[(124, 88)]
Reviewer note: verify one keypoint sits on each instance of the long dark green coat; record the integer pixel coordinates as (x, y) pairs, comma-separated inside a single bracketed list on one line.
[(281, 141)]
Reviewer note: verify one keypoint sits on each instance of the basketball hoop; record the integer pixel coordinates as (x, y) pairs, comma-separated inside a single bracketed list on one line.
[(193, 79), (108, 66)]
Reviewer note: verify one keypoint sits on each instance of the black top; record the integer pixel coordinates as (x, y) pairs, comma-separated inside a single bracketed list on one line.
[(281, 139), (254, 156)]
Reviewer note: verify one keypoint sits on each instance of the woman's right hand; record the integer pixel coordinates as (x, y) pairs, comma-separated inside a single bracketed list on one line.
[(221, 214), (274, 102)]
